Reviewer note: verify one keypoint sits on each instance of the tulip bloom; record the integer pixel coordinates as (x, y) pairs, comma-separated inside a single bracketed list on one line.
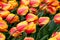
[(25, 2), (22, 10), (3, 26), (4, 6), (13, 4), (31, 28), (2, 36), (57, 18), (43, 20), (21, 27), (33, 10), (31, 17), (28, 38), (14, 32), (4, 14), (34, 3), (12, 18), (55, 36)]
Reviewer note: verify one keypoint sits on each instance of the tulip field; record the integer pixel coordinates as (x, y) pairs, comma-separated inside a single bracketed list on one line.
[(29, 19)]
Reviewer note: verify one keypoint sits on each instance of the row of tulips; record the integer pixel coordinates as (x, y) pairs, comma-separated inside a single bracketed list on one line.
[(28, 9)]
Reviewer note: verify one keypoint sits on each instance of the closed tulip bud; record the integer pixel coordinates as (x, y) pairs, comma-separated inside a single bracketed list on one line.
[(14, 32), (55, 36), (25, 2), (33, 10), (12, 18), (52, 10), (4, 6), (31, 28), (34, 3), (2, 36), (22, 10), (43, 20), (21, 27), (28, 38), (31, 17), (4, 14), (57, 18), (3, 26), (13, 4)]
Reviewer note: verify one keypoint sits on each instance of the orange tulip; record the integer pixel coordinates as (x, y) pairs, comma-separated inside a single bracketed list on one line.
[(28, 38), (2, 36), (57, 18), (31, 17), (14, 32), (12, 18), (3, 26), (34, 3), (31, 28), (25, 2), (4, 14), (22, 10), (33, 10), (13, 4), (21, 27), (55, 36), (43, 20), (4, 6), (3, 0)]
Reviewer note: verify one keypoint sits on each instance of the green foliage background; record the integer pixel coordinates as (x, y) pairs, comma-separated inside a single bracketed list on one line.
[(42, 33)]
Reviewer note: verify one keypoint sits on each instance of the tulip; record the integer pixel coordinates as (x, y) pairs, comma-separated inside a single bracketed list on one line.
[(22, 10), (28, 38), (4, 6), (12, 18), (34, 3), (3, 0), (4, 14), (43, 20), (2, 36), (25, 2), (31, 17), (14, 32), (3, 26), (55, 36), (13, 4), (21, 27), (57, 18), (51, 10), (33, 10), (31, 28)]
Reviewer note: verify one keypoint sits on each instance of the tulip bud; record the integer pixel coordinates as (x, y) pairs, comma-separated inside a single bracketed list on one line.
[(31, 28), (52, 10), (33, 10), (25, 2), (4, 14), (13, 4), (57, 18), (22, 10), (2, 36), (3, 26), (31, 17), (34, 3), (21, 27), (4, 6), (28, 38), (55, 36), (43, 20), (14, 32), (12, 18)]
